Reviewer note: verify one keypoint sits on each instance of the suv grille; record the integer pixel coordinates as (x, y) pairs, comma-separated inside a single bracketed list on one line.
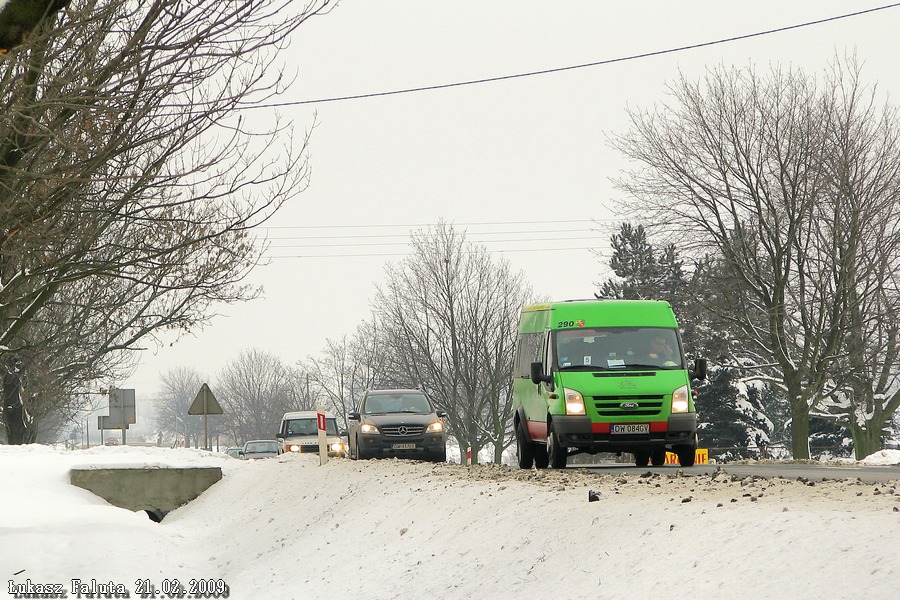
[(402, 430)]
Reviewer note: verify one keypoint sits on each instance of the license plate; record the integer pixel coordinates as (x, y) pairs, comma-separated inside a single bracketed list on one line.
[(627, 428), (404, 446)]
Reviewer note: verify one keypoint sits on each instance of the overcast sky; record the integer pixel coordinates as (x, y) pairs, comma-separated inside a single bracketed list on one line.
[(519, 159)]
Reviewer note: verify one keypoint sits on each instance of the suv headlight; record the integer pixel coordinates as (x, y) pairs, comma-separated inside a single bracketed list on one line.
[(368, 428), (337, 447), (435, 427), (680, 402)]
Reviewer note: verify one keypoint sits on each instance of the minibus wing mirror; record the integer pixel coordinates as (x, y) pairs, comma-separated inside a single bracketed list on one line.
[(537, 373)]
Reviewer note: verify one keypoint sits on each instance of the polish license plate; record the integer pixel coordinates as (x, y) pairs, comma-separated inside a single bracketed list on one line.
[(631, 428), (404, 446)]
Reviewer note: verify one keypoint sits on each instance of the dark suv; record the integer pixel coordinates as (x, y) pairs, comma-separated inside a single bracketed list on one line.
[(400, 423)]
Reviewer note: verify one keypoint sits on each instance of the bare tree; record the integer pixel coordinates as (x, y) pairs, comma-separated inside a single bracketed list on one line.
[(347, 369), (740, 166), (179, 389), (126, 160), (860, 225), (255, 390), (449, 316)]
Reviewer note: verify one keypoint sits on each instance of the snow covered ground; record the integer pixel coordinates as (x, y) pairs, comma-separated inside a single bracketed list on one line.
[(289, 528)]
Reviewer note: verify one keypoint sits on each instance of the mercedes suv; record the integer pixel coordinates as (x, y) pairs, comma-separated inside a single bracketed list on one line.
[(397, 423)]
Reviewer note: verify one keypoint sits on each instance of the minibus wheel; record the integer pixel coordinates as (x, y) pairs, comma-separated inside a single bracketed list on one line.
[(686, 455), (541, 460), (556, 453), (658, 457), (641, 458), (524, 448)]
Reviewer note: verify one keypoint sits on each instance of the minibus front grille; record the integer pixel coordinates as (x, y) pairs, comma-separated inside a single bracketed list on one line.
[(611, 406)]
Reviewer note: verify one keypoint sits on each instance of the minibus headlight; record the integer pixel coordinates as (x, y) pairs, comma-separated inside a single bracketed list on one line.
[(574, 402), (680, 402)]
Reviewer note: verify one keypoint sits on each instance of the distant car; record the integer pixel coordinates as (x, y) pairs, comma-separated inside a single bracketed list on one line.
[(299, 432), (397, 423), (111, 443), (234, 452), (260, 449)]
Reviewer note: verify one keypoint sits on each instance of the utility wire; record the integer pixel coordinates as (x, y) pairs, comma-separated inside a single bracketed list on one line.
[(543, 222), (573, 67), (368, 254), (405, 242), (405, 236)]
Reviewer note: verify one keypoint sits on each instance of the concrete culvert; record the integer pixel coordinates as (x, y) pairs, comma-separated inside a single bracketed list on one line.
[(155, 515), (156, 491)]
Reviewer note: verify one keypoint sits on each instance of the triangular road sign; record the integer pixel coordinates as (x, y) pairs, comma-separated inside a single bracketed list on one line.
[(205, 403)]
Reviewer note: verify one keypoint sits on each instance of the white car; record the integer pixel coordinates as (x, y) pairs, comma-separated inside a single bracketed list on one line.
[(299, 432)]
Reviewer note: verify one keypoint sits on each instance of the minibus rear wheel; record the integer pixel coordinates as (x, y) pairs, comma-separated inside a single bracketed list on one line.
[(524, 448)]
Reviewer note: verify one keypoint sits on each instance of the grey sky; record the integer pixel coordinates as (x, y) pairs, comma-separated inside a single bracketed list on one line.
[(498, 154)]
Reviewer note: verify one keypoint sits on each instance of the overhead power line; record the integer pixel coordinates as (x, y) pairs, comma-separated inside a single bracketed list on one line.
[(405, 236), (573, 67), (403, 254), (405, 242), (451, 224)]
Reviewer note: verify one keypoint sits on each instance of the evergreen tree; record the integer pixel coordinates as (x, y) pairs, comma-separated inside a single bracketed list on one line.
[(731, 413)]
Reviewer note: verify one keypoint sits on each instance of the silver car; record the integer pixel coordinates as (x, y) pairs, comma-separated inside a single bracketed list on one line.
[(260, 449)]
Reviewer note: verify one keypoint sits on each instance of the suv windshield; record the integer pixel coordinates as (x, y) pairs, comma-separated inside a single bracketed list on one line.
[(601, 348), (308, 426), (395, 403)]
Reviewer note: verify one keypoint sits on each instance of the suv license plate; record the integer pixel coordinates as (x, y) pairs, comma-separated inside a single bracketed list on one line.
[(404, 446), (631, 428)]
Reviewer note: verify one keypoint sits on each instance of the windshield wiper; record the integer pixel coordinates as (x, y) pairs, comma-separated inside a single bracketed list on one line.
[(584, 368)]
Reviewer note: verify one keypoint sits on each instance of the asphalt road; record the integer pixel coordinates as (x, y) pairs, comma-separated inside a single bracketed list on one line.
[(810, 472)]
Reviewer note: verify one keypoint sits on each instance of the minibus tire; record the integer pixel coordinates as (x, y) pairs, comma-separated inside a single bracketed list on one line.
[(641, 458), (556, 453), (541, 460), (524, 448), (686, 455), (658, 457)]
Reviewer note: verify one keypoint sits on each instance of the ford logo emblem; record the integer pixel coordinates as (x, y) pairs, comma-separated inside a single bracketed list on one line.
[(629, 405)]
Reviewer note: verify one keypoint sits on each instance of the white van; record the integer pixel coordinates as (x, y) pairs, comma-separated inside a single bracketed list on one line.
[(299, 433)]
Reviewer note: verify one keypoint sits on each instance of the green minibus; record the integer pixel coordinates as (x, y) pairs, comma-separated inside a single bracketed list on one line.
[(596, 376)]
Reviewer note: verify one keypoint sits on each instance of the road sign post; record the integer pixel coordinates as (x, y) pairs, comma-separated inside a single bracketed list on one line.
[(205, 404), (323, 441)]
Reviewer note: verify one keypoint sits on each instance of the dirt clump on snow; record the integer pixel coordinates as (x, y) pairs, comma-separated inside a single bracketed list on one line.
[(679, 484)]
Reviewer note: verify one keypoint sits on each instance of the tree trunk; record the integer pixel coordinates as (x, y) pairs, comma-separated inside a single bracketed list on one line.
[(475, 447), (463, 449), (15, 417), (799, 427), (867, 439), (498, 452)]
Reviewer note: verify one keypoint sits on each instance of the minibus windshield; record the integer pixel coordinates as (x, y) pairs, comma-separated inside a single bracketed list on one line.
[(616, 348)]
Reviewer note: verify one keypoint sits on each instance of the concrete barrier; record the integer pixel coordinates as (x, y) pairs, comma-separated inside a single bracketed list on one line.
[(154, 490)]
